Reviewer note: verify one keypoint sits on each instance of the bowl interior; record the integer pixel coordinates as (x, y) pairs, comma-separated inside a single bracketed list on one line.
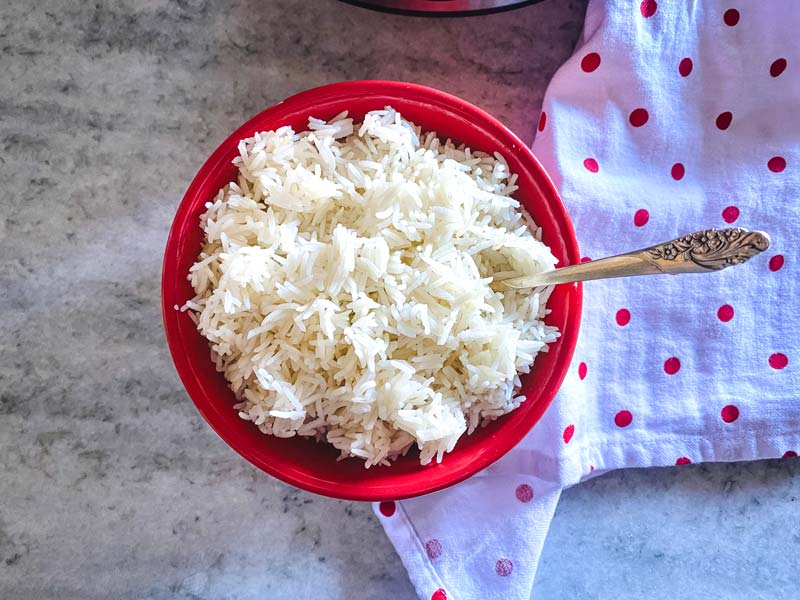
[(303, 462)]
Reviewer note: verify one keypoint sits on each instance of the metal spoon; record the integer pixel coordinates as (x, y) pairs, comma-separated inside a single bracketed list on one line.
[(699, 252)]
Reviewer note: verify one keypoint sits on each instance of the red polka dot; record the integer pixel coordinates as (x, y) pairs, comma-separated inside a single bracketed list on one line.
[(623, 317), (638, 117), (387, 508), (542, 121), (641, 217), (590, 62), (582, 370), (678, 171), (776, 164), (623, 418), (569, 430), (585, 259), (778, 361), (724, 120), (439, 594), (524, 492), (731, 17), (683, 460), (729, 413), (648, 8), (591, 165), (776, 262), (672, 365), (685, 67), (730, 214), (789, 454), (433, 548), (725, 313), (503, 567), (777, 67)]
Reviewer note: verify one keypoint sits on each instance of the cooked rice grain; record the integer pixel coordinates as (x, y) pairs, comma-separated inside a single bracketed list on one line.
[(344, 286)]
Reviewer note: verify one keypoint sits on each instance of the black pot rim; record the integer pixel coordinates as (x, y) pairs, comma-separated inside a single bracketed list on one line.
[(439, 13)]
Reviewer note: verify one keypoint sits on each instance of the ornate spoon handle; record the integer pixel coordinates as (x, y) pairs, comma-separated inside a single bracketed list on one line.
[(699, 252)]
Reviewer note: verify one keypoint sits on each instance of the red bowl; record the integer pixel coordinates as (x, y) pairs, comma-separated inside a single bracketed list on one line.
[(303, 462)]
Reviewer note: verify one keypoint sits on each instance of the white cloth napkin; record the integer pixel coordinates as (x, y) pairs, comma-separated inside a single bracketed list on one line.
[(670, 117)]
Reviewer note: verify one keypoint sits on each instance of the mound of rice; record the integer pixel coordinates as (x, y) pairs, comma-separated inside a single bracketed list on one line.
[(344, 287)]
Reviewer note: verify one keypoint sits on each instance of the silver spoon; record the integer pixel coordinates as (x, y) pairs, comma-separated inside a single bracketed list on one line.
[(699, 252)]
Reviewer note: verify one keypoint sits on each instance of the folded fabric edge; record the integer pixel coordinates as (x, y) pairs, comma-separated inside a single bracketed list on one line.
[(409, 547), (589, 459), (421, 571)]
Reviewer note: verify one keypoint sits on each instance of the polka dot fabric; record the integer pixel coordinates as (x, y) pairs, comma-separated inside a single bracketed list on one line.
[(664, 121)]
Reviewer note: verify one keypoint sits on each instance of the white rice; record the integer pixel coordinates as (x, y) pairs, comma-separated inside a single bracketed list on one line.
[(344, 287)]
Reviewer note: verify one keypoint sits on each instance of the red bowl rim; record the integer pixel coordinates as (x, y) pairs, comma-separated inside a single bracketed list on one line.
[(489, 124)]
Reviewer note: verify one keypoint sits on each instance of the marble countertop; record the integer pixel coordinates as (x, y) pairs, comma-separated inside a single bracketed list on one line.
[(111, 484)]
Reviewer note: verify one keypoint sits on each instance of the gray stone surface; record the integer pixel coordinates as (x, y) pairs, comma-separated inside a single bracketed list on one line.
[(111, 485), (717, 531)]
